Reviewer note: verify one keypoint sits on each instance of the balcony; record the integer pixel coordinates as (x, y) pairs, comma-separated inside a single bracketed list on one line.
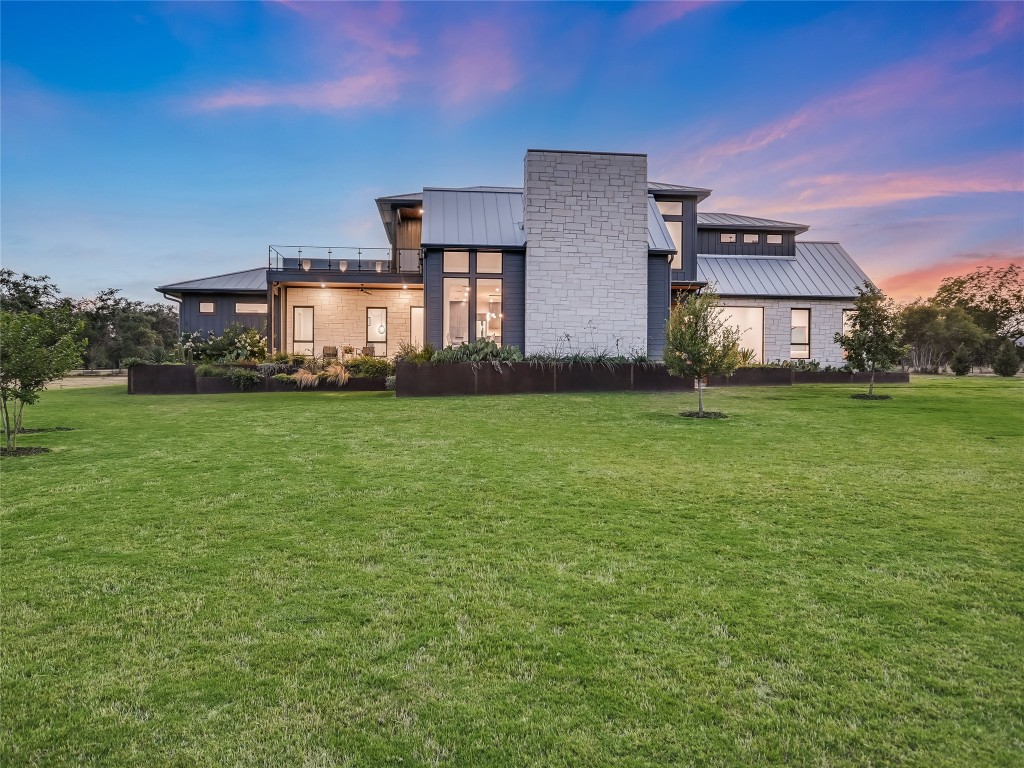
[(342, 261)]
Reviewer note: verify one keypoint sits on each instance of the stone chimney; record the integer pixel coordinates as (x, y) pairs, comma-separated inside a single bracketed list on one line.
[(585, 217)]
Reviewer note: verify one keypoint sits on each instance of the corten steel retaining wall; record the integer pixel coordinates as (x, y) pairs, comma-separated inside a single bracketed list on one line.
[(532, 378), (525, 378), (182, 380)]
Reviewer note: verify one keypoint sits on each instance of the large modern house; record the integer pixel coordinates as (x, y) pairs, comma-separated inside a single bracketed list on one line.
[(588, 254)]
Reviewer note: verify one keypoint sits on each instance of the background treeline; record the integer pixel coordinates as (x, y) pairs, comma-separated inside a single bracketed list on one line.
[(968, 322), (114, 327)]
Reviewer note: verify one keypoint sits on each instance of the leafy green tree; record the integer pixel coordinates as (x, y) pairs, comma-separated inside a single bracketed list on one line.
[(934, 332), (118, 328), (27, 293), (35, 348), (993, 297), (961, 362), (874, 338), (1007, 360), (699, 343)]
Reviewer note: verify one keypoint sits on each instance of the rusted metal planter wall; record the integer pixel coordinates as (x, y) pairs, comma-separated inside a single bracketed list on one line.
[(526, 378), (162, 380)]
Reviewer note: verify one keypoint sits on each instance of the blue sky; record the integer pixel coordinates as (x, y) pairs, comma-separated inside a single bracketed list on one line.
[(148, 143)]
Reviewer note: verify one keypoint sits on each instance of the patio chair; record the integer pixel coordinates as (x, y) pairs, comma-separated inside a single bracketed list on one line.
[(368, 351), (330, 353)]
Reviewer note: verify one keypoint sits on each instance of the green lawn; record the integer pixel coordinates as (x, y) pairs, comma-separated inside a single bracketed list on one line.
[(572, 580)]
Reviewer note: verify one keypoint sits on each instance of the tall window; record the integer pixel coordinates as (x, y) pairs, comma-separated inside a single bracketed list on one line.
[(455, 298), (377, 330), (672, 212), (750, 321), (800, 334), (488, 309), (302, 330)]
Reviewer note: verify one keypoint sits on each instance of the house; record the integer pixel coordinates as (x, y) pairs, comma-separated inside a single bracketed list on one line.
[(588, 255)]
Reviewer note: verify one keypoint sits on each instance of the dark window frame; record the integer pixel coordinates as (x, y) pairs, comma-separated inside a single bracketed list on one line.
[(675, 217), (791, 326), (773, 234), (755, 235), (472, 276), (266, 308), (312, 325), (723, 241), (212, 303), (386, 330), (501, 314)]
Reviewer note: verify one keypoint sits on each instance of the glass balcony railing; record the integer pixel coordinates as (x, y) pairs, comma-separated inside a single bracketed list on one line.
[(344, 259)]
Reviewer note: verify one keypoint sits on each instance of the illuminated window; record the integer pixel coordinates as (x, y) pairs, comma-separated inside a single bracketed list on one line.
[(773, 239), (750, 321), (670, 207), (488, 262), (488, 309), (206, 308), (455, 298), (800, 334), (750, 238), (727, 237), (302, 330), (377, 330), (456, 261), (675, 229), (255, 308)]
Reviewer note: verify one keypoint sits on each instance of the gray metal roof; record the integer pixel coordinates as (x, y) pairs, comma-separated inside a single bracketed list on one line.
[(819, 270), (661, 186), (658, 238), (249, 281), (750, 222), (479, 218)]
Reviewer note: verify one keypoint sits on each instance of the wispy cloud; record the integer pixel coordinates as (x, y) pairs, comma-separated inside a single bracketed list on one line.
[(646, 17)]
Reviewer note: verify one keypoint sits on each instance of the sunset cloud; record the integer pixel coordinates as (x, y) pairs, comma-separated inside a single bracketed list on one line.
[(376, 88), (923, 282), (646, 17)]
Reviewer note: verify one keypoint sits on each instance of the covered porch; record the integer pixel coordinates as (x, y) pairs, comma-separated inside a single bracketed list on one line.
[(371, 318)]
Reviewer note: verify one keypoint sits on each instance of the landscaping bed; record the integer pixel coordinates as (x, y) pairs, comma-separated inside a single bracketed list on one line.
[(182, 380)]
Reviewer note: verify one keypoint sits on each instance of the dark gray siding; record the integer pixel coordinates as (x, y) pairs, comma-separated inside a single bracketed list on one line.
[(709, 241), (513, 305), (658, 298), (190, 320), (432, 307)]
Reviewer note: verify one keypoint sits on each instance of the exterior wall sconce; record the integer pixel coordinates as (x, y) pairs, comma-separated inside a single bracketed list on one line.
[(343, 266), (306, 264), (379, 265)]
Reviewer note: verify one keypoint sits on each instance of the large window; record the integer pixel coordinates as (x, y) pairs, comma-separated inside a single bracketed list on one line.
[(302, 330), (456, 261), (800, 334), (377, 330), (750, 321), (488, 309), (254, 308), (455, 296)]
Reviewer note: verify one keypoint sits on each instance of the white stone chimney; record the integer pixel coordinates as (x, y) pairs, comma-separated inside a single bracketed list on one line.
[(585, 216)]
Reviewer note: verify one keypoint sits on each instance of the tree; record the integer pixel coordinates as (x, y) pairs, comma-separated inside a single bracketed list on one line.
[(35, 348), (873, 342), (118, 328), (934, 332), (993, 297), (26, 293), (961, 362), (699, 343), (1006, 361)]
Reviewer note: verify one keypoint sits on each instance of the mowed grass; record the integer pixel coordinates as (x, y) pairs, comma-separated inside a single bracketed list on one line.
[(350, 579)]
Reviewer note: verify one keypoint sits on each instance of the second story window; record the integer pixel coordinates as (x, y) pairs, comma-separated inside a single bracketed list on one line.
[(727, 237), (773, 239), (751, 238)]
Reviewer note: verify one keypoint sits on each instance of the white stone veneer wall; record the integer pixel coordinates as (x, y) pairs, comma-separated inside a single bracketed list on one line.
[(826, 321), (339, 314), (585, 218)]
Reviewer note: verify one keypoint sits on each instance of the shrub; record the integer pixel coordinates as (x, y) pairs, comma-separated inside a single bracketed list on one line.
[(244, 378), (209, 369), (960, 363), (280, 357), (130, 362), (297, 360), (337, 374), (367, 366), (480, 351), (410, 353), (1007, 361), (283, 377), (390, 382), (305, 379), (270, 369)]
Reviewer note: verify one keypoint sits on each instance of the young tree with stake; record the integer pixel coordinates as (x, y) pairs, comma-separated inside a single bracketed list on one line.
[(699, 342)]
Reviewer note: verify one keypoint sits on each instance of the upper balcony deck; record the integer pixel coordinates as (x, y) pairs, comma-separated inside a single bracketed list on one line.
[(344, 264)]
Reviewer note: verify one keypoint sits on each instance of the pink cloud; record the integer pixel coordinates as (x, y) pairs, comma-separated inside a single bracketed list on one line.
[(481, 62), (645, 17), (375, 88), (924, 281)]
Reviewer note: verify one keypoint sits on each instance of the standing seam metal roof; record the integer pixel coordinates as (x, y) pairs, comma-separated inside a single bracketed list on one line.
[(736, 220), (819, 270), (488, 218), (248, 281), (658, 237)]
